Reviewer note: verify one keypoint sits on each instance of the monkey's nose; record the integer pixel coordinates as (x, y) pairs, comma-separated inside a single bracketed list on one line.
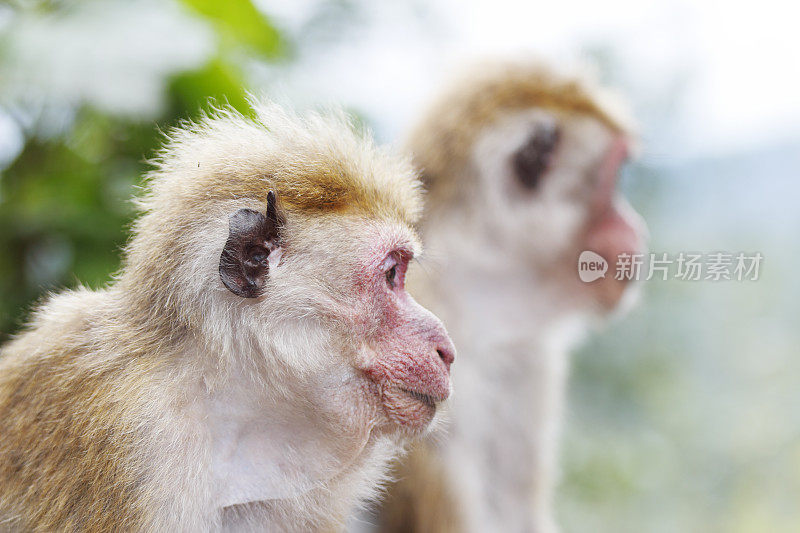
[(447, 354)]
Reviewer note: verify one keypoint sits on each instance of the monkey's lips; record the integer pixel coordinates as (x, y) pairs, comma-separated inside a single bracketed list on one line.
[(411, 409), (427, 399)]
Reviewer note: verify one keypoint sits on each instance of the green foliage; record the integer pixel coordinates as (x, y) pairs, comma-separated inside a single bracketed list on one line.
[(218, 81), (239, 22), (64, 202), (64, 208)]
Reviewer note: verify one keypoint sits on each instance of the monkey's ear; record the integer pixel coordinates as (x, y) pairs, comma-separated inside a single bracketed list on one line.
[(253, 244)]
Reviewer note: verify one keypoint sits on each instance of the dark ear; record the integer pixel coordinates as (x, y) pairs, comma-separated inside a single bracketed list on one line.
[(533, 158), (244, 263)]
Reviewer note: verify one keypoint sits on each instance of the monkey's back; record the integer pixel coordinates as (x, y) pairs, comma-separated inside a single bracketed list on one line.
[(65, 427)]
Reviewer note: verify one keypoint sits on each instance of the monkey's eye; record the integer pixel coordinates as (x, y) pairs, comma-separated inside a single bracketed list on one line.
[(533, 158), (393, 268), (391, 277)]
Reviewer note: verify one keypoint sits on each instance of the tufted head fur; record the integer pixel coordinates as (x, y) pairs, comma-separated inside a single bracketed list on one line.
[(319, 167)]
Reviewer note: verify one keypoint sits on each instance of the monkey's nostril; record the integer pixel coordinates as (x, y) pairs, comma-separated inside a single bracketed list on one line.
[(447, 356)]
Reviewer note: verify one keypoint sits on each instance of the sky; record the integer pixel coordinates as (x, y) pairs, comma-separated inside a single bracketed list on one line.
[(726, 73), (731, 66)]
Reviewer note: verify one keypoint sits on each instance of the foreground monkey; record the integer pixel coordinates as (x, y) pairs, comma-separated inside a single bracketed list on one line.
[(256, 363), (521, 165)]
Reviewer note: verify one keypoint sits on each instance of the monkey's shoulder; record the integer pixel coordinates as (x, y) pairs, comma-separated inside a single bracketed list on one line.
[(65, 429), (61, 322)]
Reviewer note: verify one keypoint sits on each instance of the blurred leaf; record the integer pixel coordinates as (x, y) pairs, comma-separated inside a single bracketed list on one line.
[(65, 207), (217, 80), (241, 22), (64, 203)]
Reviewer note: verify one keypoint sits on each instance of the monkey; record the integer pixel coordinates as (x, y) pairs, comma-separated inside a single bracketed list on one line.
[(256, 362), (520, 162)]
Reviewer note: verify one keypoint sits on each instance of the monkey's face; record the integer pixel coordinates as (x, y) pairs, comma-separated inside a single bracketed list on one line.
[(406, 353), (549, 180), (399, 351), (334, 284)]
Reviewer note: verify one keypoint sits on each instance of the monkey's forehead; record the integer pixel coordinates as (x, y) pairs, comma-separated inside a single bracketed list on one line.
[(328, 191), (314, 165)]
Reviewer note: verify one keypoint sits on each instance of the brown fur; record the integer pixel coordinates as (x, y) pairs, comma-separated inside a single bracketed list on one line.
[(67, 435)]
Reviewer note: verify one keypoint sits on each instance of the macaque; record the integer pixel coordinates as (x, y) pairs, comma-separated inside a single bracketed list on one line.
[(256, 362), (521, 165)]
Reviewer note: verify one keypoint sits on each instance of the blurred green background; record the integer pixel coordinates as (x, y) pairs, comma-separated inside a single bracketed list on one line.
[(65, 197), (683, 415)]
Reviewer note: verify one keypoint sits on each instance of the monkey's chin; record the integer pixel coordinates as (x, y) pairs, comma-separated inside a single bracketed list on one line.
[(609, 293), (409, 411)]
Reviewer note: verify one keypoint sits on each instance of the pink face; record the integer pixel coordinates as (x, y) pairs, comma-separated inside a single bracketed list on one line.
[(411, 352), (613, 229)]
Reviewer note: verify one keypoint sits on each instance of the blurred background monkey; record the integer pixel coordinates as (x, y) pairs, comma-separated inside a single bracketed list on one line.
[(256, 362), (521, 165)]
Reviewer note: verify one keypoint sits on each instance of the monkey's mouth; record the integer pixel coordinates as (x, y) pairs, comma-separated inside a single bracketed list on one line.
[(410, 393), (427, 399), (409, 408)]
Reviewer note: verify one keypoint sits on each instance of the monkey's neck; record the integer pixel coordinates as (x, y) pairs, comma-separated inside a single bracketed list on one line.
[(269, 449)]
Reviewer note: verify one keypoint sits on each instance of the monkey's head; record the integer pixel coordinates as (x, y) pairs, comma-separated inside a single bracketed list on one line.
[(281, 244), (527, 163)]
